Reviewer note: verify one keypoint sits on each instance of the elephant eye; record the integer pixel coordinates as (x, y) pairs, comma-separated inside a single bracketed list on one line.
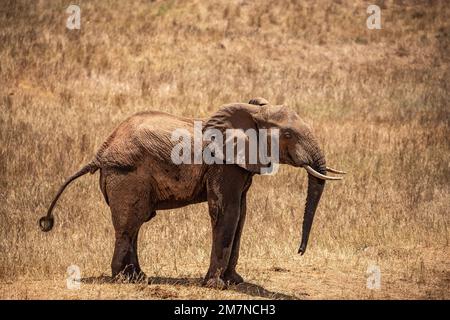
[(287, 135)]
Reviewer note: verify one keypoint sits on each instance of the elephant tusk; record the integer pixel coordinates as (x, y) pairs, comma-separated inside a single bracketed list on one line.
[(316, 174), (336, 171)]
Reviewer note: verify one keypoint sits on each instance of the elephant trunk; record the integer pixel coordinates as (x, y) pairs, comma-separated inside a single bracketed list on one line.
[(315, 189)]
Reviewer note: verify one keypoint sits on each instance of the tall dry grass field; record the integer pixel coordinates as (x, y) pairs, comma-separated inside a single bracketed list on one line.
[(378, 101)]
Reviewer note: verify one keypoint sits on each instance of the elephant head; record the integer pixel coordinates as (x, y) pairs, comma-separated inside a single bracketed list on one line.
[(298, 146)]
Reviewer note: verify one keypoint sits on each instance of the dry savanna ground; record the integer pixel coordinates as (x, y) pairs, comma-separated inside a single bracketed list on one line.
[(377, 99)]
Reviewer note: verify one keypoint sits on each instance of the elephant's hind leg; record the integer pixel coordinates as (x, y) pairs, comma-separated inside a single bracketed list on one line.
[(129, 200)]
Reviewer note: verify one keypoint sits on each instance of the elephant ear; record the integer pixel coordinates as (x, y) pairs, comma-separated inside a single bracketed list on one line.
[(243, 118)]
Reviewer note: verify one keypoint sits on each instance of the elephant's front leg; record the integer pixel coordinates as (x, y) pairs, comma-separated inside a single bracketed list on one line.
[(224, 223), (230, 275), (224, 208)]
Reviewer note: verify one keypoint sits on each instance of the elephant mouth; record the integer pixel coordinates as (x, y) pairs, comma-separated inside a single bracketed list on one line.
[(290, 160)]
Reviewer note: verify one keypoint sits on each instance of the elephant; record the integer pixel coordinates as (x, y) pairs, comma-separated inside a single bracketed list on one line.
[(138, 178)]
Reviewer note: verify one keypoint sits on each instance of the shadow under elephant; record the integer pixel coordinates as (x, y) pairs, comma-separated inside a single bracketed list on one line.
[(247, 288)]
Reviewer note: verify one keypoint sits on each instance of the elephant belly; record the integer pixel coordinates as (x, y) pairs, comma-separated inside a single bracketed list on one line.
[(173, 203), (177, 186)]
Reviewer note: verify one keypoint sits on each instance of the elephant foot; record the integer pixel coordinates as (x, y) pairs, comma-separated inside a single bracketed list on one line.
[(131, 274), (215, 283), (233, 278)]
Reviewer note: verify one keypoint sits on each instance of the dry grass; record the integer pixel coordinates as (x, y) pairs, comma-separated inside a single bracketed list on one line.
[(378, 100)]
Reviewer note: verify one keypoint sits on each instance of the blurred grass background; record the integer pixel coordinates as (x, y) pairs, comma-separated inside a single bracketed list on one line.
[(377, 99)]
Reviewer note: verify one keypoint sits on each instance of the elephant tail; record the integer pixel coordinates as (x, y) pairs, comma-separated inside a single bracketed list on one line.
[(46, 222)]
